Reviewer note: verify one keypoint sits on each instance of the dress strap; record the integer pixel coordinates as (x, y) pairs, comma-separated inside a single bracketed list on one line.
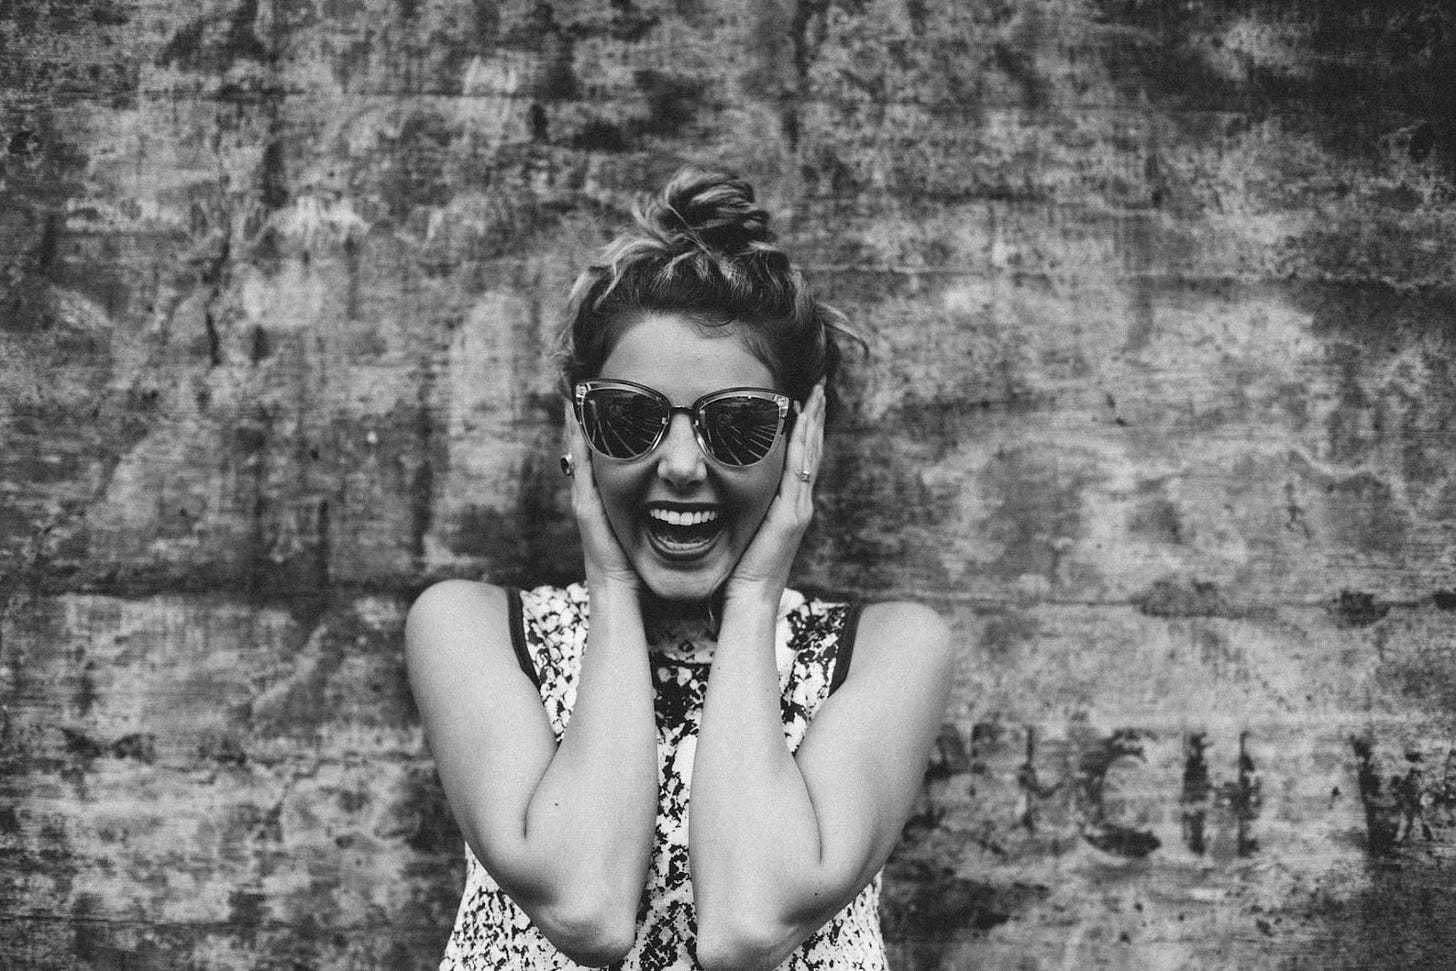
[(845, 649), (518, 635)]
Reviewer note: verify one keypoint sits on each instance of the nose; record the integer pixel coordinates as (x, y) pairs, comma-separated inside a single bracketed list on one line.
[(679, 460)]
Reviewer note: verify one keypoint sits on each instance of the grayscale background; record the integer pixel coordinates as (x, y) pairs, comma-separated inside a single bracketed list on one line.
[(1159, 414)]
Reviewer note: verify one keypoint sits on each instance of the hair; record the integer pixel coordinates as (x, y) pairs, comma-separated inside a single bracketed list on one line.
[(701, 248)]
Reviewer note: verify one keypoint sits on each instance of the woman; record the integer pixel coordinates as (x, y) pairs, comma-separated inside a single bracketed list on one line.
[(695, 366)]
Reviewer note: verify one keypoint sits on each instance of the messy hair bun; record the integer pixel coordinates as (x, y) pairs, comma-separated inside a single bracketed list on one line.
[(702, 247), (710, 210)]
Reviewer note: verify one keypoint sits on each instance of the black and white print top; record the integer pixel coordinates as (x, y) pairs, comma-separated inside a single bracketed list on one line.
[(815, 640)]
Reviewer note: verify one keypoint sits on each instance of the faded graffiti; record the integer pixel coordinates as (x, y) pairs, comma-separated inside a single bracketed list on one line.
[(1158, 415), (1121, 790), (1200, 795), (1408, 803), (1090, 788)]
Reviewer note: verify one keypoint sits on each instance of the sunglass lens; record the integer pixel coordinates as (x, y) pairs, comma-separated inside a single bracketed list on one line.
[(621, 422), (740, 430)]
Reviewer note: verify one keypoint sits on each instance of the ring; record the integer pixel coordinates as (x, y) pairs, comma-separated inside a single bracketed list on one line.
[(803, 475), (568, 466)]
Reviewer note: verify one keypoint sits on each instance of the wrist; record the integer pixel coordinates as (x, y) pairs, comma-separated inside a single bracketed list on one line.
[(609, 590), (616, 621), (752, 595), (613, 581)]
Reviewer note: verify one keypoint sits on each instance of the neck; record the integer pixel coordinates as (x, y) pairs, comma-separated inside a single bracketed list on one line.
[(708, 611)]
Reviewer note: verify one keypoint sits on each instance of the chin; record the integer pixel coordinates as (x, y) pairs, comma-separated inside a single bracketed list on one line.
[(682, 572), (680, 589), (678, 585)]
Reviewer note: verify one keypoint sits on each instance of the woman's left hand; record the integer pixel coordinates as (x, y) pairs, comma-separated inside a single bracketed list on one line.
[(763, 570)]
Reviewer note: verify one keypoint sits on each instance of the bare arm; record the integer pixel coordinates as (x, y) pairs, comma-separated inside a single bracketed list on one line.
[(565, 831), (779, 844)]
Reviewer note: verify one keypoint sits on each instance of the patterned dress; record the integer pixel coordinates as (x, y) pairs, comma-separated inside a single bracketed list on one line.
[(815, 641)]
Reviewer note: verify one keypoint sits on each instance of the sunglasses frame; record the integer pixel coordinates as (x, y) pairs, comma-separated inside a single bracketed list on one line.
[(693, 411)]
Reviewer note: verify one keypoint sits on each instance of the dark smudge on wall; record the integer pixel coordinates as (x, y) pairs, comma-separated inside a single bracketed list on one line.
[(1157, 412)]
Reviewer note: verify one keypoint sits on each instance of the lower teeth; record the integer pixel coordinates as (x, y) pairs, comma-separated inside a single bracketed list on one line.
[(683, 535)]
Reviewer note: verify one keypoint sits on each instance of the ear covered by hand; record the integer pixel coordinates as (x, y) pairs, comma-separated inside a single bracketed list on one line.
[(764, 567), (603, 557)]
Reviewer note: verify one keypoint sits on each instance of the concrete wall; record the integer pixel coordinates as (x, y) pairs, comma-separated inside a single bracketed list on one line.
[(1159, 415)]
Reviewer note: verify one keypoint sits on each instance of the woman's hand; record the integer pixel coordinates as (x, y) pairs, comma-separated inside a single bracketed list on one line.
[(605, 562), (763, 570)]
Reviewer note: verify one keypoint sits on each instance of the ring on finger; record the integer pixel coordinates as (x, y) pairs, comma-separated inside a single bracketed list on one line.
[(804, 475)]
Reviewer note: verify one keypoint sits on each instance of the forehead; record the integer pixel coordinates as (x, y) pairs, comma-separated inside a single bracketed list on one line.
[(682, 359)]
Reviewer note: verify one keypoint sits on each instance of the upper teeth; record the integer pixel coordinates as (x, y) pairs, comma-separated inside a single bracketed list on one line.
[(675, 518)]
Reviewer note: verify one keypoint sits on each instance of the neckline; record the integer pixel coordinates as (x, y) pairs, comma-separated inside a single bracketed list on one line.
[(689, 640), (693, 640)]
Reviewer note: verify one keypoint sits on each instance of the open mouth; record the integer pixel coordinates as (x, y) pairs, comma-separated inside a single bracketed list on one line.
[(681, 533)]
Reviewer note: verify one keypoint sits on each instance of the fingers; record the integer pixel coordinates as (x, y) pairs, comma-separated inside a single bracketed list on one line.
[(813, 430), (581, 470), (813, 448), (770, 556), (806, 448), (816, 432), (796, 453), (583, 482), (604, 559)]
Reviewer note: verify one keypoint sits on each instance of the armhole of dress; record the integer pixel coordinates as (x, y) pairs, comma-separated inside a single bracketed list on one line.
[(845, 649), (518, 635)]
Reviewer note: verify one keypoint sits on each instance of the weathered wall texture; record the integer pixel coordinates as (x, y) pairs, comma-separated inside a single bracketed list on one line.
[(1160, 416)]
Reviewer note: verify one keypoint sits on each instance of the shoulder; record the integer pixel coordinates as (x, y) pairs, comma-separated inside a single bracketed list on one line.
[(456, 599), (901, 634), (449, 614), (475, 606), (459, 636)]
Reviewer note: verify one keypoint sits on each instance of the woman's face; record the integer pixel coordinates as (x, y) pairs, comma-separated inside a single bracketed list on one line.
[(686, 560)]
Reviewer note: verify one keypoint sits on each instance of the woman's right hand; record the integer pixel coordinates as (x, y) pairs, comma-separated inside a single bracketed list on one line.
[(604, 560)]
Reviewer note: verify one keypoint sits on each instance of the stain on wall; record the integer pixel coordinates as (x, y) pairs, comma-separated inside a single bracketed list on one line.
[(1157, 414)]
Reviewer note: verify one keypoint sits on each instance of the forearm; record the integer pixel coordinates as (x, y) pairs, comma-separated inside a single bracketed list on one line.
[(565, 829), (759, 862), (588, 827)]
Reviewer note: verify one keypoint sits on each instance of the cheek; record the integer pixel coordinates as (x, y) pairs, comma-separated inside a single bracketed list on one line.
[(755, 495), (618, 489)]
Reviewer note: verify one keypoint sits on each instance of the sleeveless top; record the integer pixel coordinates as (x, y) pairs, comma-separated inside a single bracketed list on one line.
[(815, 641)]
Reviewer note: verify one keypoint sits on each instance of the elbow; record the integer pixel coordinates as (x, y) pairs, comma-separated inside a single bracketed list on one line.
[(741, 945), (761, 935), (593, 934), (594, 953), (591, 918)]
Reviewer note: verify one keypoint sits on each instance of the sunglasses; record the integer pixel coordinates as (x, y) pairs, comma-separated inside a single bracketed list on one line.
[(737, 427)]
